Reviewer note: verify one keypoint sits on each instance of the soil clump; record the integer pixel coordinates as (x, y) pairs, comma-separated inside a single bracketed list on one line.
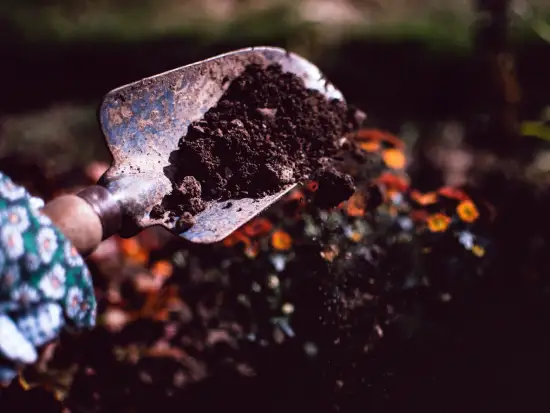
[(267, 131)]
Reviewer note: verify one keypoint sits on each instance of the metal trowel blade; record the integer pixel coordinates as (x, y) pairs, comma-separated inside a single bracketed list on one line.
[(143, 122)]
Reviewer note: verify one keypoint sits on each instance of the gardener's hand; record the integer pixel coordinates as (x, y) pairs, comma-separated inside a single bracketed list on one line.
[(45, 285)]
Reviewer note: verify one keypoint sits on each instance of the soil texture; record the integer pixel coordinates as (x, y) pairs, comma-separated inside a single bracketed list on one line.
[(267, 131)]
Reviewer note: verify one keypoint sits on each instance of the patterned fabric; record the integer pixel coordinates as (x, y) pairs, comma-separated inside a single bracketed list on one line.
[(45, 285)]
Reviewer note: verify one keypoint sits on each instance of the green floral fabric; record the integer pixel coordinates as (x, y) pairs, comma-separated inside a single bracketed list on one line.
[(45, 286)]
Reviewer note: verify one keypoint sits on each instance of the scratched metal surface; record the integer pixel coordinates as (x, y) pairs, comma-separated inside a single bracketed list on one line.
[(143, 121)]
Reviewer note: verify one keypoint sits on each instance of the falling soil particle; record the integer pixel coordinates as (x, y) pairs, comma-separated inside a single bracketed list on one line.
[(266, 132), (334, 187)]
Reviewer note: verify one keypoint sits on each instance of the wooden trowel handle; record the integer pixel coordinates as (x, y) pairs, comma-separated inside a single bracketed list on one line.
[(86, 218)]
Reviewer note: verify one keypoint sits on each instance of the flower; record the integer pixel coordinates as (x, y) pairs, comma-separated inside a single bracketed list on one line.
[(73, 300), (287, 308), (52, 283), (278, 261), (405, 223), (466, 238), (280, 240), (80, 306), (467, 211), (396, 197), (72, 257), (43, 219), (10, 191), (393, 182), (273, 281), (46, 240), (36, 204), (419, 215), (355, 206), (370, 146), (42, 325), (438, 222), (369, 134), (25, 295), (352, 234), (134, 251), (252, 250), (257, 227), (378, 135), (478, 251), (234, 238), (12, 242), (394, 158), (453, 193), (17, 217), (428, 198)]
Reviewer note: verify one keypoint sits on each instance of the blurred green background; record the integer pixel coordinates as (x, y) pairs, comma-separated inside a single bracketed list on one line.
[(400, 60)]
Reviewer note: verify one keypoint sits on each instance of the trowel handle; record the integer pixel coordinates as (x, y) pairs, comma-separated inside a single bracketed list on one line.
[(86, 218)]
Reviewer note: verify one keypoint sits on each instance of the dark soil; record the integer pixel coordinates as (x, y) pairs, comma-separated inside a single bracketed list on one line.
[(267, 131), (334, 187)]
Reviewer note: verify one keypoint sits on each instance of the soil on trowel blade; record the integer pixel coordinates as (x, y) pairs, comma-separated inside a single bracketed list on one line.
[(266, 132)]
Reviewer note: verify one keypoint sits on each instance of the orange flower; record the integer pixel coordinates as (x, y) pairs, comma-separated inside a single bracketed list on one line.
[(467, 211), (393, 181), (370, 146), (478, 251), (134, 251), (155, 305), (140, 258), (130, 246), (378, 135), (281, 240), (230, 240), (438, 222), (428, 198), (369, 134), (394, 140), (355, 206), (419, 215), (235, 238), (453, 193), (162, 269), (394, 158), (257, 227), (355, 236)]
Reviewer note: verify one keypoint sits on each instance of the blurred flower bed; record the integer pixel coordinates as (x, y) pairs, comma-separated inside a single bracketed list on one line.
[(289, 312)]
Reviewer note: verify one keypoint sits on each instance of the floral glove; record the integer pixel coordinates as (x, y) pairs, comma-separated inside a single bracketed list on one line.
[(45, 286)]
